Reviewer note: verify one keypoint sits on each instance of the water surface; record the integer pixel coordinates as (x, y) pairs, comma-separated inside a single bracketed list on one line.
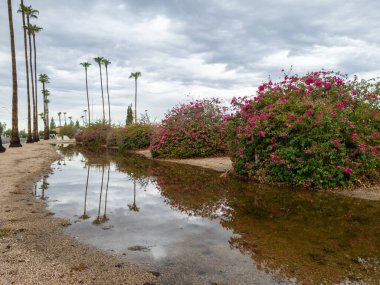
[(197, 228)]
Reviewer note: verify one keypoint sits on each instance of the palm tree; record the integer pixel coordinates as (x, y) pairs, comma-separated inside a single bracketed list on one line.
[(2, 127), (99, 61), (44, 79), (59, 117), (64, 115), (46, 101), (15, 139), (86, 65), (34, 30), (106, 62), (22, 10), (85, 115), (135, 75), (71, 121), (31, 13), (82, 117)]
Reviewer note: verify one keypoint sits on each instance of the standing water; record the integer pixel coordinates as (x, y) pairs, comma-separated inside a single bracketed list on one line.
[(197, 228)]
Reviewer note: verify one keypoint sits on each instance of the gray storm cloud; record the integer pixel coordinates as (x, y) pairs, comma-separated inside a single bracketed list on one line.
[(196, 48)]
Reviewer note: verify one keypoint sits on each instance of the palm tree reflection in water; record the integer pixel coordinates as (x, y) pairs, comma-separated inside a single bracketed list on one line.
[(85, 216), (134, 207)]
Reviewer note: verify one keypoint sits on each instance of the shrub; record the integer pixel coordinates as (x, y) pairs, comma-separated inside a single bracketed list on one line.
[(190, 130), (319, 130), (135, 136), (68, 130), (94, 136)]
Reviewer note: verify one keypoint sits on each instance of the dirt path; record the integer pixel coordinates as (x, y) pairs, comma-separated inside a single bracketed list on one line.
[(33, 246)]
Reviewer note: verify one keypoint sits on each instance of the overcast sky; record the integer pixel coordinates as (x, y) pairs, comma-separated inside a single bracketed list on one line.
[(197, 48)]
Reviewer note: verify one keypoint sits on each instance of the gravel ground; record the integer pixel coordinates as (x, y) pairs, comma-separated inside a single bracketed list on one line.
[(33, 246)]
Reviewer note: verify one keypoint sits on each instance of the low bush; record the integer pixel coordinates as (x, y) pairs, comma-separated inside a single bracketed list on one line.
[(191, 130), (94, 136), (319, 130), (133, 136), (68, 130)]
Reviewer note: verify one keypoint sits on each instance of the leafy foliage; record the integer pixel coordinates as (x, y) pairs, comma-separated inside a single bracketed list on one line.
[(134, 136), (129, 119), (95, 136), (190, 130), (319, 130)]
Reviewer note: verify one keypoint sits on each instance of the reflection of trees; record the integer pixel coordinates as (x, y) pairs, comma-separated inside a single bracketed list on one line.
[(314, 237), (133, 207), (85, 216), (68, 151), (98, 220), (105, 218), (192, 190), (102, 219), (44, 186)]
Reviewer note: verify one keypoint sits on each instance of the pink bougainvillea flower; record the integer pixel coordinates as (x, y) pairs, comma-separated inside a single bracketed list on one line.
[(327, 85), (347, 171), (318, 83), (292, 117), (262, 134), (309, 80)]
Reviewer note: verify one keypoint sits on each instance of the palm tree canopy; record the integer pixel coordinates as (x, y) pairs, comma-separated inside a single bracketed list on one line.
[(85, 64), (106, 62), (34, 29), (59, 113), (29, 11), (46, 92), (44, 78), (99, 60), (135, 75)]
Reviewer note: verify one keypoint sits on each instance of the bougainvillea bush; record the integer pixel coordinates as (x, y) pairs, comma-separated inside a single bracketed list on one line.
[(94, 136), (319, 130), (191, 130), (135, 136)]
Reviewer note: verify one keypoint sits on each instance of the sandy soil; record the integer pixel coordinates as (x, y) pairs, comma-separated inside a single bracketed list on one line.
[(372, 193), (220, 164), (33, 246)]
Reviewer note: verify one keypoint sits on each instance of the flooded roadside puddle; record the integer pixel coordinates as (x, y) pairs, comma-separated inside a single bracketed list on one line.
[(197, 228)]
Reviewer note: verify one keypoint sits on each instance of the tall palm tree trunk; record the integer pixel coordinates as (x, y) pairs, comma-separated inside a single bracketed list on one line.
[(35, 85), (46, 113), (108, 95), (35, 134), (135, 100), (88, 101), (29, 137), (15, 139), (2, 149), (101, 86)]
